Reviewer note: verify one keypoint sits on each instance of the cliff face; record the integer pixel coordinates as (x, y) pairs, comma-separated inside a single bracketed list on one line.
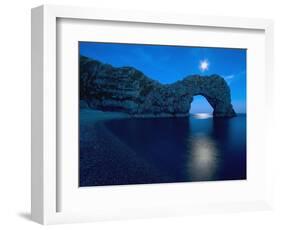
[(128, 90)]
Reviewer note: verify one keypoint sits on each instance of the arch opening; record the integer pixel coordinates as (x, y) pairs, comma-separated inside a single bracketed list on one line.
[(200, 105)]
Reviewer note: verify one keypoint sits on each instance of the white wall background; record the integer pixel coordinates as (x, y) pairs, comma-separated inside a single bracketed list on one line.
[(15, 113)]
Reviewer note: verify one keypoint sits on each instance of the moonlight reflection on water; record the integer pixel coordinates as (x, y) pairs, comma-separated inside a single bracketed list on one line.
[(202, 115), (202, 160)]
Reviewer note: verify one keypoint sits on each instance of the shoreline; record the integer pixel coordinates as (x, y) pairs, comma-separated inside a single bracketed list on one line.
[(99, 115), (88, 114)]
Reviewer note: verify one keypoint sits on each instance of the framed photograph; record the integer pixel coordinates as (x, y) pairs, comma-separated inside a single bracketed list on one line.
[(141, 114)]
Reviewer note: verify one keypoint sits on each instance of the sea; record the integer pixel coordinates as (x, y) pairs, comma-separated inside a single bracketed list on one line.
[(121, 150)]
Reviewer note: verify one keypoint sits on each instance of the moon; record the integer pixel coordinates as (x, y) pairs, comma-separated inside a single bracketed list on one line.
[(204, 65)]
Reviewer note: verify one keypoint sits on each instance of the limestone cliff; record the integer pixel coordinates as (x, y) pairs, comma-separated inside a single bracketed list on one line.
[(128, 90)]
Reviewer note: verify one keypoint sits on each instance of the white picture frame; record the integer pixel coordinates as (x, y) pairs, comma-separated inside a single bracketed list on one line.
[(46, 182)]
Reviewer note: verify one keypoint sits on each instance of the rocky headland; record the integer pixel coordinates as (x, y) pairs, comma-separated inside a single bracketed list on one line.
[(126, 89)]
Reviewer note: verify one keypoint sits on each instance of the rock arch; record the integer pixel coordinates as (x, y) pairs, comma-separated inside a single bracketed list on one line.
[(215, 90), (128, 90)]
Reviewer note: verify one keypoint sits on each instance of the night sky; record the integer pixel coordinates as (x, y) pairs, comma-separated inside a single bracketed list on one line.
[(168, 64)]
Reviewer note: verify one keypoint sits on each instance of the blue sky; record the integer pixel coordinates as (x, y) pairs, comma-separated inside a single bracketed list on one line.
[(168, 64)]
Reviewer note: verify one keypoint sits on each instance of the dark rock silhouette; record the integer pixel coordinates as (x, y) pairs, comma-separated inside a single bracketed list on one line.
[(128, 90)]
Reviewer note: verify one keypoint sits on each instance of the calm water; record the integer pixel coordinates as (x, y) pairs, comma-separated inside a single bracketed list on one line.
[(163, 150)]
